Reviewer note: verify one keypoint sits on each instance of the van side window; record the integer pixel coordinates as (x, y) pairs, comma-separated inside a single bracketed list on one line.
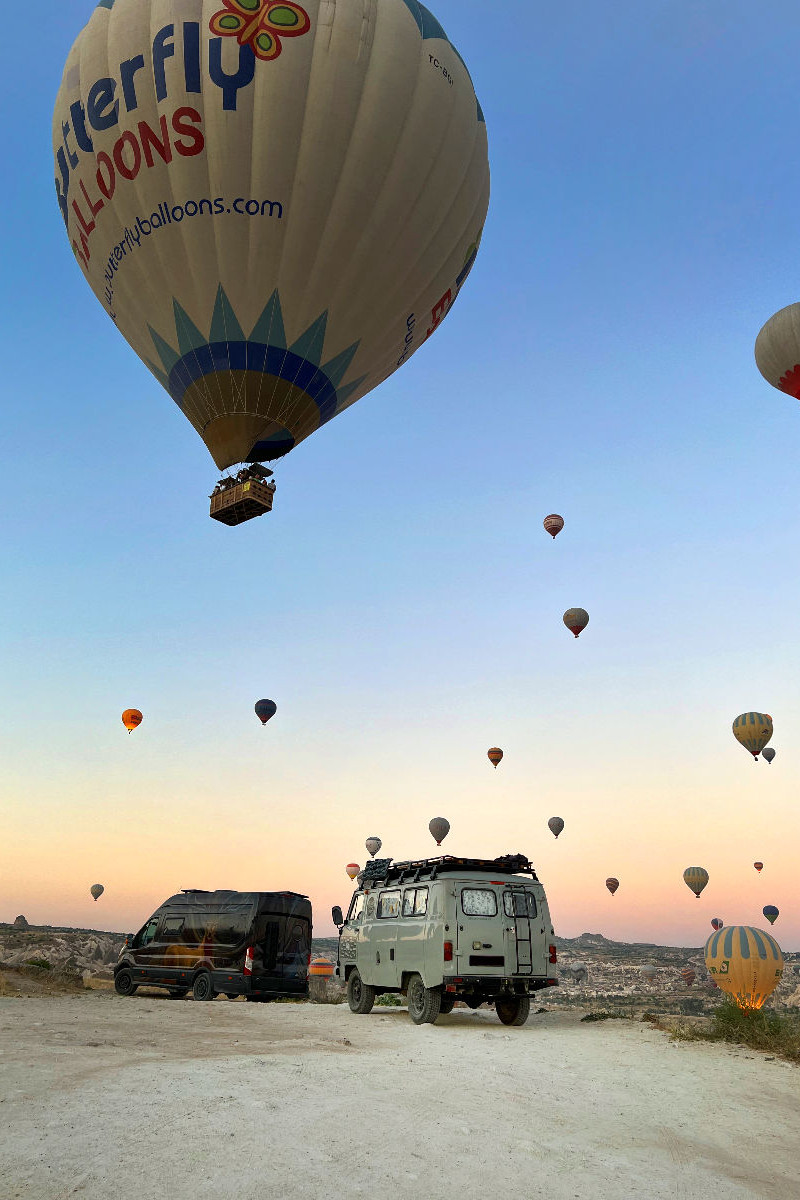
[(356, 907), (271, 945), (172, 929), (147, 934), (389, 904), (421, 902), (519, 904), (408, 902), (478, 902)]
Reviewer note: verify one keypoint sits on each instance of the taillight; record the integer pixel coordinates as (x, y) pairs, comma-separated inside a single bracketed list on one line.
[(553, 956), (448, 952), (248, 960)]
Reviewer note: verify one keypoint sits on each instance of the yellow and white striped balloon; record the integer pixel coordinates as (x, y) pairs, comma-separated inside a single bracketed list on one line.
[(745, 962), (696, 879), (753, 730)]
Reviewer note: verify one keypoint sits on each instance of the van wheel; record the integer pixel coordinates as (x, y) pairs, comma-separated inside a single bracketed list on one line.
[(424, 1004), (203, 988), (513, 1010), (178, 993), (360, 996), (447, 1002), (123, 983)]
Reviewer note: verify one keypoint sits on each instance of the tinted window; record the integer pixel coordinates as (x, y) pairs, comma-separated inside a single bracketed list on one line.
[(271, 945), (389, 904), (171, 931), (519, 904), (478, 902), (228, 929), (356, 907), (147, 934)]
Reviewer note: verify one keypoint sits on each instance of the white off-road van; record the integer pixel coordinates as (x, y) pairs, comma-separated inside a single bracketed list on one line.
[(447, 929)]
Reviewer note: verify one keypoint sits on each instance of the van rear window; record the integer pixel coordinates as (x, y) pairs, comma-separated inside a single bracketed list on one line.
[(519, 904), (478, 902)]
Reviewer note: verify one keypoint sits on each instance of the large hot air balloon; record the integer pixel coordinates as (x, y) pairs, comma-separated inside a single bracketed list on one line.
[(778, 350), (746, 963), (576, 620), (97, 890), (771, 913), (759, 866), (439, 828), (768, 753), (649, 973), (265, 710), (131, 718), (555, 825), (276, 203), (688, 975), (553, 524), (753, 730), (352, 869), (695, 879), (373, 845), (612, 884), (717, 923), (495, 756)]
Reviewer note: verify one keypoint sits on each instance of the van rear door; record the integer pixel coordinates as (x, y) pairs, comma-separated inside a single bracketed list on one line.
[(523, 931), (480, 947)]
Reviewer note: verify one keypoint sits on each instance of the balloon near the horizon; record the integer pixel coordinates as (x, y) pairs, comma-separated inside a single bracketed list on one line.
[(695, 879), (648, 973), (265, 710), (352, 870), (439, 828), (745, 962), (688, 975), (612, 884), (96, 890), (553, 524), (771, 913), (759, 866), (576, 620), (717, 923), (276, 204), (555, 825), (495, 755), (778, 350), (373, 845), (753, 730), (132, 719), (768, 753)]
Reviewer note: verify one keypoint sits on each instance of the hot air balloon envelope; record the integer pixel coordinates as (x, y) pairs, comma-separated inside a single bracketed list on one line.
[(688, 976), (778, 350), (759, 866), (771, 913), (352, 869), (649, 973), (717, 923), (555, 825), (97, 890), (753, 730), (265, 710), (495, 756), (695, 879), (768, 753), (553, 524), (745, 962), (576, 620), (612, 884), (276, 203), (439, 828), (131, 718), (373, 845)]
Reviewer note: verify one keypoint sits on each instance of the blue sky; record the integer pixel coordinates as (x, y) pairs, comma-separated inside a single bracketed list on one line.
[(402, 604)]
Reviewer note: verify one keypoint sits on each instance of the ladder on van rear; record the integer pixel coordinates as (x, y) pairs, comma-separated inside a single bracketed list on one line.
[(523, 937)]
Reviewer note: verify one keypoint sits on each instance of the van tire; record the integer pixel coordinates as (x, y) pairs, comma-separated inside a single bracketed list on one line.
[(123, 983), (424, 1004), (360, 996), (513, 1010), (447, 1003), (203, 988), (178, 993)]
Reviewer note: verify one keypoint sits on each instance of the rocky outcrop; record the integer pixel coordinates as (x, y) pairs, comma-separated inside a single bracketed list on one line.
[(20, 922)]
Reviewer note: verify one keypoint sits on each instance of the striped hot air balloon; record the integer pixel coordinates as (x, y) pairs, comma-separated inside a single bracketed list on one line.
[(352, 870), (495, 756), (717, 922), (753, 730), (746, 963), (553, 524), (759, 866), (688, 975), (612, 884), (696, 879)]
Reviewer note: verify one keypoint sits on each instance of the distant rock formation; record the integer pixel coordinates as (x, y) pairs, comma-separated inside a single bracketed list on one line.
[(20, 922)]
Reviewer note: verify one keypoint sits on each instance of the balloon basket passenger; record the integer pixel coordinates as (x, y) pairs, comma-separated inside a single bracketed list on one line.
[(242, 496)]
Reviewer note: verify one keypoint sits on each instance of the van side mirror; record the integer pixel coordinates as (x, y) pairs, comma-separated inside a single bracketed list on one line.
[(336, 913)]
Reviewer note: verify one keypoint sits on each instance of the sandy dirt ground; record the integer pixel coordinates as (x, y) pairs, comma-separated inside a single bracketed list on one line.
[(148, 1097)]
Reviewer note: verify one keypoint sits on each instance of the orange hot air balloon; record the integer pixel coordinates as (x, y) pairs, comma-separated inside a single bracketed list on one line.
[(612, 884), (553, 524), (576, 620), (759, 867), (321, 967), (352, 869), (495, 756), (131, 719)]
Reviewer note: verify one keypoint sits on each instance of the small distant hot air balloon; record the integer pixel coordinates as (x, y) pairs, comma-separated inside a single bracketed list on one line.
[(612, 884), (771, 913), (439, 827), (321, 966), (576, 620), (717, 923), (768, 753), (759, 866), (649, 973), (746, 963), (695, 879), (97, 890), (753, 730), (265, 710), (352, 869), (495, 756), (555, 825), (553, 524), (131, 718), (688, 975), (373, 845)]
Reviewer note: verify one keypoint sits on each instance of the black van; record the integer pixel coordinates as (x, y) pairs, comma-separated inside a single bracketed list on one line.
[(251, 944)]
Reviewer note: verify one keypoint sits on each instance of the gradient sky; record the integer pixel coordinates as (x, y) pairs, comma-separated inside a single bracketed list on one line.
[(402, 604)]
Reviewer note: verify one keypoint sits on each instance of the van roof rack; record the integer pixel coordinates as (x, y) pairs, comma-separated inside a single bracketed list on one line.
[(384, 870)]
